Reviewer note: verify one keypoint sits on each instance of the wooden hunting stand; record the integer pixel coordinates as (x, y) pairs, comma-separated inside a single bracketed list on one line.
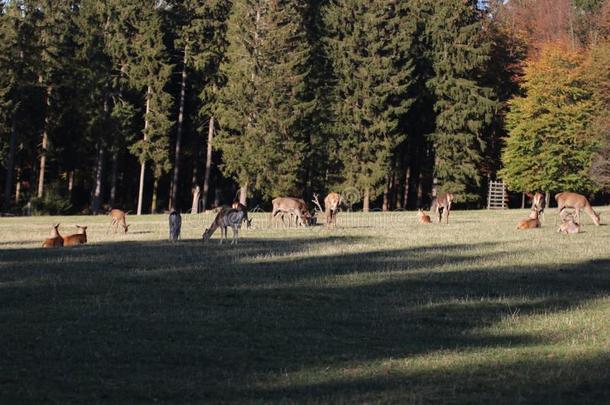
[(497, 198)]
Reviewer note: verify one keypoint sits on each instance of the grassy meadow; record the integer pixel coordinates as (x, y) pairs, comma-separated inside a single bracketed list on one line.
[(380, 310)]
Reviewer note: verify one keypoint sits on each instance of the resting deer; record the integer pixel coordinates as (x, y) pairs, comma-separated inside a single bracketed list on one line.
[(118, 218), (423, 217), (577, 202), (227, 217), (569, 226), (79, 238), (239, 206), (55, 240), (530, 223), (442, 201), (175, 223), (290, 205)]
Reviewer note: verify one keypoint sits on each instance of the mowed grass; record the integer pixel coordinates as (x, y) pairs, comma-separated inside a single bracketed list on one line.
[(380, 310)]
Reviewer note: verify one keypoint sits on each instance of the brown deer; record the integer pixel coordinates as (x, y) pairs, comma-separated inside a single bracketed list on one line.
[(226, 217), (331, 207), (292, 206), (442, 201), (577, 202), (118, 218), (530, 223), (569, 226), (239, 206), (423, 217), (79, 238), (55, 240)]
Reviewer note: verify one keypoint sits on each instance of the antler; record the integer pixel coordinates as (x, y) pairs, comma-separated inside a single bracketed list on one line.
[(315, 201)]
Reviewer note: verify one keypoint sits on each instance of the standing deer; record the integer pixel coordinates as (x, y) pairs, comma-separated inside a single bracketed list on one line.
[(331, 207), (292, 206), (577, 202), (442, 201), (118, 218), (79, 238), (239, 206), (227, 217), (423, 217), (175, 223), (531, 222), (55, 240)]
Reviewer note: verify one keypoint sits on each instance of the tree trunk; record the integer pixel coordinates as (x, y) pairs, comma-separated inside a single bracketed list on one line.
[(243, 194), (366, 201), (113, 178), (208, 164), (142, 160), (405, 197), (174, 194), (70, 182), (45, 143), (195, 203), (18, 185), (386, 195), (547, 199), (99, 168), (10, 165), (153, 207)]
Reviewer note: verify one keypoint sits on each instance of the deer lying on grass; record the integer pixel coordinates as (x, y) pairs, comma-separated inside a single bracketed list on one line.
[(442, 201), (530, 223), (175, 223), (79, 238), (577, 202), (569, 226), (423, 217), (55, 240), (118, 218), (292, 206), (239, 206), (227, 217)]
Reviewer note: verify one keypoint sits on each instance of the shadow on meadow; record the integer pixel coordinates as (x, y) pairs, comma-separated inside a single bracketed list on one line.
[(189, 322)]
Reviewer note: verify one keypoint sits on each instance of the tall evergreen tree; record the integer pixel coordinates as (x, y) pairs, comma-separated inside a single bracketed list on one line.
[(369, 44), (459, 52), (263, 106)]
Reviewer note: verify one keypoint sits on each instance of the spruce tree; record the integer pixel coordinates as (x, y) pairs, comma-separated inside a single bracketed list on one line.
[(263, 106), (368, 43), (459, 53)]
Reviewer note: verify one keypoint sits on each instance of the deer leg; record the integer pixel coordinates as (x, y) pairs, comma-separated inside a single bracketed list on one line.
[(235, 235), (448, 209)]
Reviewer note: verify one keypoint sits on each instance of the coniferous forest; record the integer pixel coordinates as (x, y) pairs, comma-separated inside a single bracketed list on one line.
[(151, 105)]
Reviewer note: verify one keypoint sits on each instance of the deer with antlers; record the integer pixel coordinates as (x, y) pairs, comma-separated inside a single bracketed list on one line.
[(577, 202), (331, 207)]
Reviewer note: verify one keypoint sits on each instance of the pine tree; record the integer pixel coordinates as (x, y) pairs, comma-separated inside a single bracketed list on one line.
[(369, 43), (549, 147), (263, 106), (459, 52)]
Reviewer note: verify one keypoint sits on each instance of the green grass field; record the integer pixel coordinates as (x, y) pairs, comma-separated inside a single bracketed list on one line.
[(380, 310)]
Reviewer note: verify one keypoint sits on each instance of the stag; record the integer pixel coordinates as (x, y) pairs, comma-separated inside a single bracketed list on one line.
[(577, 202)]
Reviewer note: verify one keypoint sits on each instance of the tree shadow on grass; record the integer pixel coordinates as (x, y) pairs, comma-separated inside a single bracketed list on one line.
[(139, 321)]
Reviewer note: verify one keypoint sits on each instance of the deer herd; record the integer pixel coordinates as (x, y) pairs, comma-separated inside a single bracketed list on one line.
[(295, 211)]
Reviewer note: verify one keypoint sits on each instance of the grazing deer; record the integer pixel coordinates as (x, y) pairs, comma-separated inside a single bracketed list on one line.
[(423, 217), (227, 217), (79, 238), (55, 240), (569, 226), (292, 206), (118, 218), (175, 223), (530, 223), (577, 202), (331, 207), (239, 206), (442, 201)]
